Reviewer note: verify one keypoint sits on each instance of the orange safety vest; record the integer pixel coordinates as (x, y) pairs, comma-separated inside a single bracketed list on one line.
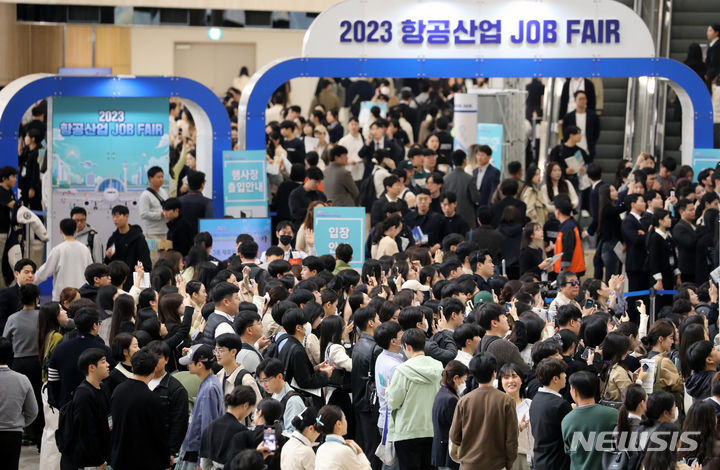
[(577, 265)]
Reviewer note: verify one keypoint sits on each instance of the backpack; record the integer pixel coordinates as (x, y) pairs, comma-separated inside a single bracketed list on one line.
[(65, 434), (248, 347), (366, 198), (273, 350), (307, 401)]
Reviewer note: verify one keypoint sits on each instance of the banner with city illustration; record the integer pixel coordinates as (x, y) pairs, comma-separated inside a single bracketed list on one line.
[(102, 149)]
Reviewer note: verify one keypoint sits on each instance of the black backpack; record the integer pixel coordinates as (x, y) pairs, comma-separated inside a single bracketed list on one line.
[(273, 350), (307, 401), (367, 193), (65, 434)]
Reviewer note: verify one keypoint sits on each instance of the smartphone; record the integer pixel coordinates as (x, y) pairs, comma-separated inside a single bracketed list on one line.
[(638, 303), (691, 462), (585, 353), (507, 307), (589, 303), (645, 367), (672, 193), (269, 439)]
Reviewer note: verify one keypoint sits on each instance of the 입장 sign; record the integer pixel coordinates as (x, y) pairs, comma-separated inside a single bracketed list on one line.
[(245, 183), (335, 225), (487, 29)]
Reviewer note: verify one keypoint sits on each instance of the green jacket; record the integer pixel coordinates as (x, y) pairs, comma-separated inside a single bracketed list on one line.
[(340, 265), (411, 395)]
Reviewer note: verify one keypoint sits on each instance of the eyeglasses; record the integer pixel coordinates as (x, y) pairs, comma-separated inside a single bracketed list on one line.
[(573, 283), (266, 380)]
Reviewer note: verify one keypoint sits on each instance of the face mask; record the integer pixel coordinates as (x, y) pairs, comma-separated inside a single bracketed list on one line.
[(677, 414), (285, 239), (385, 90), (308, 329), (425, 325), (461, 389)]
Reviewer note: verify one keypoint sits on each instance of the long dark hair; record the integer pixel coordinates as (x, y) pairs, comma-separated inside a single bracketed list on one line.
[(657, 404), (47, 323), (123, 310), (660, 328), (508, 369), (530, 174), (603, 202), (634, 395), (701, 419), (527, 234), (168, 308), (562, 185), (664, 459), (331, 330), (453, 369), (691, 334), (614, 347), (392, 221)]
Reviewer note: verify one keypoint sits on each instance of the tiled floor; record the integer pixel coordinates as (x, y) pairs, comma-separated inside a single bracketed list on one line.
[(29, 458)]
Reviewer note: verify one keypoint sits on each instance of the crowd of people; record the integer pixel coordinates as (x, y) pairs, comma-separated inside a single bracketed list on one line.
[(473, 336)]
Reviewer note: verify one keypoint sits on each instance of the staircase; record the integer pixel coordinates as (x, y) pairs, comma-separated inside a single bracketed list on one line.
[(690, 19), (609, 148)]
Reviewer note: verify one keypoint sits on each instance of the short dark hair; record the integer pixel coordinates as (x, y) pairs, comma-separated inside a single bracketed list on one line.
[(563, 204), (313, 263), (344, 252), (85, 319), (566, 313), (337, 151), (195, 180), (278, 266), (293, 318), (244, 320), (248, 249), (230, 341), (482, 366), (509, 187), (143, 363), (385, 333), (153, 170), (78, 210), (414, 338), (29, 294), (223, 290), (120, 209), (270, 367), (363, 316), (6, 172), (146, 296), (95, 270), (240, 395), (683, 203), (549, 368), (171, 204), (572, 130), (486, 149), (514, 168), (436, 177), (584, 383), (119, 271), (90, 357), (697, 353), (390, 180), (159, 348), (449, 195), (594, 171), (459, 157), (68, 227), (465, 332), (669, 163), (487, 313), (484, 215), (314, 173)]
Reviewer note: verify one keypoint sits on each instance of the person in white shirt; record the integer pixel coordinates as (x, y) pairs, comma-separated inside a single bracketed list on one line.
[(151, 213), (66, 262), (467, 336), (353, 142), (297, 453), (337, 453)]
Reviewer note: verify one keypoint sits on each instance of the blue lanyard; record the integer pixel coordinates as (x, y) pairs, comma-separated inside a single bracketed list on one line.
[(332, 439)]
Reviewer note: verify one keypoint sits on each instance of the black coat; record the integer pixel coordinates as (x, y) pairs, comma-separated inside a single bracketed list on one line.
[(295, 150), (364, 354), (488, 239), (635, 244), (454, 224), (193, 207), (662, 258), (91, 408), (368, 151), (712, 61), (216, 442), (377, 213), (174, 406), (9, 304), (177, 337), (499, 207), (180, 232), (686, 237), (130, 247), (139, 439), (530, 258), (442, 416), (428, 223), (546, 414), (299, 367)]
